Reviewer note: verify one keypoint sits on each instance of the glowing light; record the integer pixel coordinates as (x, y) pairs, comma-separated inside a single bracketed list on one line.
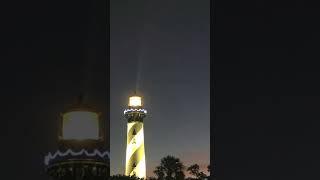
[(137, 110), (96, 152), (138, 138), (135, 152), (80, 125), (135, 101), (140, 169)]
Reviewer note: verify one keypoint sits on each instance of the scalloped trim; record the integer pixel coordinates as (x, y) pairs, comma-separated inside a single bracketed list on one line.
[(96, 152)]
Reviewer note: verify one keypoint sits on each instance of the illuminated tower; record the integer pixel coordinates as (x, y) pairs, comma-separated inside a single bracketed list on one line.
[(135, 155), (82, 153)]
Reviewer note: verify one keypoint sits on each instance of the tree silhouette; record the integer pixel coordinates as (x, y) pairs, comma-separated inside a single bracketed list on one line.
[(152, 178), (123, 177), (194, 170), (159, 172), (171, 168)]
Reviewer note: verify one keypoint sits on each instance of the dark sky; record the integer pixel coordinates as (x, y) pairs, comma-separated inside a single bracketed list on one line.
[(266, 72), (161, 47), (50, 52)]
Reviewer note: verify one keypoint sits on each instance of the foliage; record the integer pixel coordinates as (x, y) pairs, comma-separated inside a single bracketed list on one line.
[(123, 177), (170, 168), (152, 178), (194, 170)]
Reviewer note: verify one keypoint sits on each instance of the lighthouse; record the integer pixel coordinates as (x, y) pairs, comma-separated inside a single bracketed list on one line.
[(135, 152), (82, 152)]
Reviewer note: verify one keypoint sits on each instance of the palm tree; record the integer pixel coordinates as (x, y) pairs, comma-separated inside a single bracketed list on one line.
[(152, 178), (159, 172), (171, 168), (123, 177), (194, 170)]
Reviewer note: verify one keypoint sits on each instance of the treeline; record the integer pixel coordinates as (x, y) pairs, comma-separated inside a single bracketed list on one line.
[(171, 168)]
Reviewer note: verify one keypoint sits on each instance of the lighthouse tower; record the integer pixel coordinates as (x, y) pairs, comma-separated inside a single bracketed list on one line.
[(135, 155), (82, 152)]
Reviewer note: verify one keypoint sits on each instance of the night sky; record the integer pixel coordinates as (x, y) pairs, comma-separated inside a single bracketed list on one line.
[(266, 72), (162, 49)]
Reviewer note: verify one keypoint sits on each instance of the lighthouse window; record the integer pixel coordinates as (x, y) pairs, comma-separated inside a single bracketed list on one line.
[(80, 125)]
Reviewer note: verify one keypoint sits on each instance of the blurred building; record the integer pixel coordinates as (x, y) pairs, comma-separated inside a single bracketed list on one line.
[(81, 152)]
